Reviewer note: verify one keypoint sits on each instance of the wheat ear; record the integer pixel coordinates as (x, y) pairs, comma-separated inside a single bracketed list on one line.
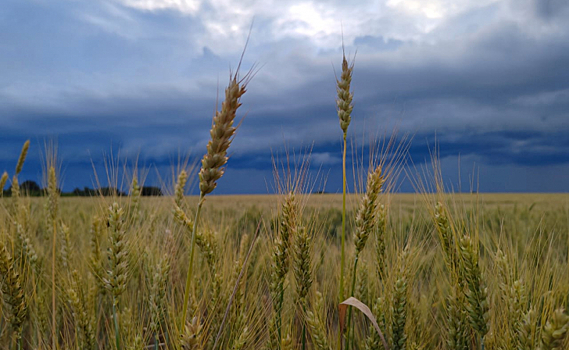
[(476, 293), (287, 228), (135, 193), (13, 292), (222, 132), (316, 322), (22, 158), (302, 268), (116, 276), (3, 181)]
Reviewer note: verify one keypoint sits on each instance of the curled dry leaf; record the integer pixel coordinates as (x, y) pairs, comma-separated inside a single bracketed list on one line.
[(363, 308)]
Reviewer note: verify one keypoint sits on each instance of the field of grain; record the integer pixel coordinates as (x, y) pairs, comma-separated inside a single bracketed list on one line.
[(404, 274)]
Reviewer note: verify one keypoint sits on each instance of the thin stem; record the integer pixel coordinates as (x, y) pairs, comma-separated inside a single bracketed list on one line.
[(156, 341), (343, 258), (348, 328), (117, 335), (190, 263), (53, 312)]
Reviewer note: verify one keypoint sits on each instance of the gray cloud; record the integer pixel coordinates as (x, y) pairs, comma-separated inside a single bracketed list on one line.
[(488, 78)]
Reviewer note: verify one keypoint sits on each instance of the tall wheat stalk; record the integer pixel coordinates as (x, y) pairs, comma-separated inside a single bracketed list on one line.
[(52, 205), (344, 104), (365, 221), (222, 133)]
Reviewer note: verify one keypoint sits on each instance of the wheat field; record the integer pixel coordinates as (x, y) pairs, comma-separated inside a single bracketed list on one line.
[(294, 270)]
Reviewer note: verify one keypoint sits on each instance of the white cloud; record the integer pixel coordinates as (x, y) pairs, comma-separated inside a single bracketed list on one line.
[(184, 6)]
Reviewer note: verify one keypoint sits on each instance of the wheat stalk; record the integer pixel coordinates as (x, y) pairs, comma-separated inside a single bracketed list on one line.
[(365, 222), (116, 276), (52, 214), (281, 245), (221, 133), (344, 107)]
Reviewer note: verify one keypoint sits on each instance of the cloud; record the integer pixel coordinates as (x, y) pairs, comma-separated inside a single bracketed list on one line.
[(488, 78)]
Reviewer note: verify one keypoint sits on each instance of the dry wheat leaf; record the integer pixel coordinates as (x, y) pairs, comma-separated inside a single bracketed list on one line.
[(351, 301)]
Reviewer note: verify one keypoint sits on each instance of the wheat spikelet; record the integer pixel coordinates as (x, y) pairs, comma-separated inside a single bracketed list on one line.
[(84, 321), (12, 291), (156, 299), (316, 322), (555, 331), (191, 337), (344, 100), (446, 238), (516, 308), (15, 188), (28, 252), (287, 343), (280, 262), (281, 247), (180, 189), (137, 343), (3, 181), (457, 336), (240, 343), (222, 133), (239, 265), (208, 247), (96, 256), (135, 198), (366, 216), (116, 276), (302, 264), (181, 217), (380, 232), (527, 333), (362, 287), (22, 157), (373, 340), (64, 250), (476, 293), (52, 193)]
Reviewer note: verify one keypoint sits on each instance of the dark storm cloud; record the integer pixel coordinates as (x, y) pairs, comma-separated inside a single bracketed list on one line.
[(488, 82)]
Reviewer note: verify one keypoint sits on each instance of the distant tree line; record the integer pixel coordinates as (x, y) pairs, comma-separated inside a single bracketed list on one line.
[(32, 189)]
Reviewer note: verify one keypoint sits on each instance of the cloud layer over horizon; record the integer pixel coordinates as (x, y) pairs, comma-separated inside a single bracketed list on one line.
[(488, 80)]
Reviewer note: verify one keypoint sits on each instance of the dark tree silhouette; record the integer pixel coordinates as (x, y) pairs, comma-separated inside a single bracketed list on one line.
[(151, 191)]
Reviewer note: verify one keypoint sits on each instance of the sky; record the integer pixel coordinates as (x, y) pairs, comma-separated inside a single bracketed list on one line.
[(484, 82)]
